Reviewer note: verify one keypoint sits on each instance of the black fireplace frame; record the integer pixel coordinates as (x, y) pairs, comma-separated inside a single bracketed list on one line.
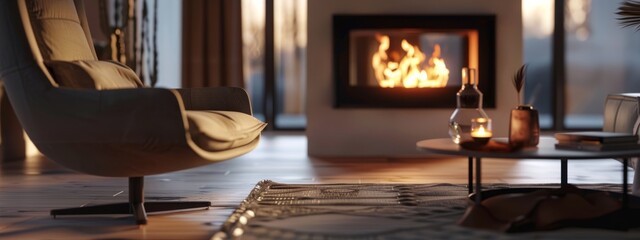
[(346, 96)]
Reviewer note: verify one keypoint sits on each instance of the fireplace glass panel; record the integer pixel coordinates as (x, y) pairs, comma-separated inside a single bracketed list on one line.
[(391, 58), (410, 61)]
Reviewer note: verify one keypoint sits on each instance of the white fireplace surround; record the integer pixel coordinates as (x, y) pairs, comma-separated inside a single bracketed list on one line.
[(383, 132)]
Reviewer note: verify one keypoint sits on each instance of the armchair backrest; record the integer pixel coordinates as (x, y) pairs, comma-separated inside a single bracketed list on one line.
[(38, 36), (36, 31), (22, 71), (60, 40)]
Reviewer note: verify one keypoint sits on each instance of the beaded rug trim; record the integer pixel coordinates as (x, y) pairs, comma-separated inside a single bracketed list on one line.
[(376, 211)]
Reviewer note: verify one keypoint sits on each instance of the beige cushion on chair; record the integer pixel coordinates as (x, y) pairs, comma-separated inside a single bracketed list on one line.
[(93, 74), (59, 30), (223, 130)]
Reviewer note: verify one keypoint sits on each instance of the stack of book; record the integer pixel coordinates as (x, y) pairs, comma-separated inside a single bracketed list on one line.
[(597, 141)]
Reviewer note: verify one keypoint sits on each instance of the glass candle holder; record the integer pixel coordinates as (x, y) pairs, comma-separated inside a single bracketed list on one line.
[(481, 130), (468, 106)]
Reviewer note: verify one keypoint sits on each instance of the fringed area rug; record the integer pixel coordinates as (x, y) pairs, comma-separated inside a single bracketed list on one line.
[(376, 211)]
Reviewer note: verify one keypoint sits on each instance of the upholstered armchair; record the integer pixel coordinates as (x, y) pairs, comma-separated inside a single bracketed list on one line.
[(97, 118), (622, 114)]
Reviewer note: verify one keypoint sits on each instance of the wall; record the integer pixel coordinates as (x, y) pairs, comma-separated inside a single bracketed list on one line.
[(394, 132)]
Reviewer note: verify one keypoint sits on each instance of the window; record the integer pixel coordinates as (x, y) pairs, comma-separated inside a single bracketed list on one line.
[(600, 58), (276, 31)]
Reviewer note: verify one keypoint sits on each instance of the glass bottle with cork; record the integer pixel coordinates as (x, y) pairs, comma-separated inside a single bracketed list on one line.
[(469, 106)]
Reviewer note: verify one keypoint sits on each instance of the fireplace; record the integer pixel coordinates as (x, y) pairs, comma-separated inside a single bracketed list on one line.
[(405, 61)]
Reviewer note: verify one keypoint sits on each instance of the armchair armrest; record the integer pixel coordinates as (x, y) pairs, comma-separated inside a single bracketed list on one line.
[(216, 98), (147, 116)]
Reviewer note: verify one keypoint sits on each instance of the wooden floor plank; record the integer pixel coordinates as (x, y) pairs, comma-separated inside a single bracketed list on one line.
[(30, 189)]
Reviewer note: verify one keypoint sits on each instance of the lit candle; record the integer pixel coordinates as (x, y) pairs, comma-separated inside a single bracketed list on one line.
[(481, 133), (481, 129)]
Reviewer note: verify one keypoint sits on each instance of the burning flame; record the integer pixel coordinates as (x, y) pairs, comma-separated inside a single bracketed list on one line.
[(408, 72)]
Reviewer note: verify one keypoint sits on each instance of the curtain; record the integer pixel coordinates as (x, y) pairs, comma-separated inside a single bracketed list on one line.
[(211, 43)]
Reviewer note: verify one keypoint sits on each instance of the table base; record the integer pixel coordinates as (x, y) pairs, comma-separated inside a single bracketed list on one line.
[(563, 177)]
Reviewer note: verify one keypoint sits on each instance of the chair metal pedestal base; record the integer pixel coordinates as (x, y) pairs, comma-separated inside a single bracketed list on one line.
[(135, 206)]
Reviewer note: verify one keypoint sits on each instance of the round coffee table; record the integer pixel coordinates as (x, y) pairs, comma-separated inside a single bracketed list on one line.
[(545, 150)]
